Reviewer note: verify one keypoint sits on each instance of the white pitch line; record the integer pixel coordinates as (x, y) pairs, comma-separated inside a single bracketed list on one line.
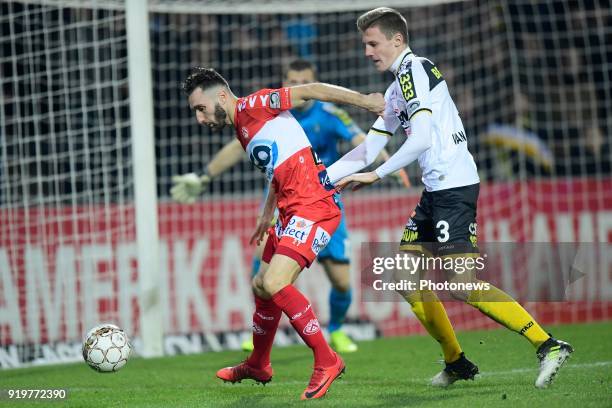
[(534, 370), (529, 370)]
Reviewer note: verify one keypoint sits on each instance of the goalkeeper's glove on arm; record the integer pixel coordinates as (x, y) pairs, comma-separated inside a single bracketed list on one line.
[(187, 187)]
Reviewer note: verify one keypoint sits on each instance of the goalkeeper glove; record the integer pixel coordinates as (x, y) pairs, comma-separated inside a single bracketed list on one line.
[(187, 187)]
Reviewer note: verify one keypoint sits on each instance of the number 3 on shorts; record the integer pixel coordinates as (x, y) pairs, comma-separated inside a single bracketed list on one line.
[(442, 226)]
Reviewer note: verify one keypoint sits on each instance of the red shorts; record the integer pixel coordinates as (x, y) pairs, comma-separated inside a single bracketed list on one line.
[(303, 233)]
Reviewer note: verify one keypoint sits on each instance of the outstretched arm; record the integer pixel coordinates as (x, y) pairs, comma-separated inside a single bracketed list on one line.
[(187, 187), (225, 158), (417, 143), (401, 176), (361, 156), (332, 93)]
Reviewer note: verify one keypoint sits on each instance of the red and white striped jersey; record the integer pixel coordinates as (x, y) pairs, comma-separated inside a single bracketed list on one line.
[(277, 145)]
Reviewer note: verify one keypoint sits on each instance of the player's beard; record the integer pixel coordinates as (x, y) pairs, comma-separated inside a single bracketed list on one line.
[(220, 116)]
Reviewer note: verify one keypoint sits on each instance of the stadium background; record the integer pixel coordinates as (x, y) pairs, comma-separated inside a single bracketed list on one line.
[(532, 81)]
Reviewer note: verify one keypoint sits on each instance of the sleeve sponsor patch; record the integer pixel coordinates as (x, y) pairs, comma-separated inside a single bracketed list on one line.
[(406, 83), (275, 100), (412, 107)]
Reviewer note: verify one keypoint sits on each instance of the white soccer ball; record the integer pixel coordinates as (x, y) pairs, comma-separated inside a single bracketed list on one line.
[(106, 348)]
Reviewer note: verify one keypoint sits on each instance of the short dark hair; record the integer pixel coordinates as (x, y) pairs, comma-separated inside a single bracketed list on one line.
[(301, 65), (388, 20), (203, 78)]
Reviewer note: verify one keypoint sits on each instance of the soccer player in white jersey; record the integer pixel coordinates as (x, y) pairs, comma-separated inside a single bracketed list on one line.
[(308, 213), (419, 101)]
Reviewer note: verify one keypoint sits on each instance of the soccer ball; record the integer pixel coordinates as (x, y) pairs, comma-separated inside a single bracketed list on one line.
[(106, 348)]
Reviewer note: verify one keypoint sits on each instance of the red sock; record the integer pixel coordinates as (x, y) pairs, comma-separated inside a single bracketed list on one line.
[(265, 322), (302, 318)]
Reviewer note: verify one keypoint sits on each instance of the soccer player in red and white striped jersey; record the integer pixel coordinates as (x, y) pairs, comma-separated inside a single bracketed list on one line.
[(308, 211)]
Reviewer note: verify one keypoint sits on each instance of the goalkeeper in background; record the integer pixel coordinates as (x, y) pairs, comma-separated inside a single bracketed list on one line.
[(324, 124), (419, 101)]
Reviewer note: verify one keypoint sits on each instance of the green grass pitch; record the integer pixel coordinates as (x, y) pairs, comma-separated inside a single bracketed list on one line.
[(388, 372)]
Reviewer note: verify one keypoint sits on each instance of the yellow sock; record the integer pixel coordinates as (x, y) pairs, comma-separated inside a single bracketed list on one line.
[(499, 306), (431, 313)]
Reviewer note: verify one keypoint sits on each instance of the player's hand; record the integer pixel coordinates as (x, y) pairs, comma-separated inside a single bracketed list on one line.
[(375, 102), (263, 223), (187, 187), (402, 178), (359, 180)]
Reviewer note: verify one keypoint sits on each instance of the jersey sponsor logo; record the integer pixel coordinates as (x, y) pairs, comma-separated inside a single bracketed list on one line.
[(325, 181), (312, 327), (263, 99), (320, 240), (278, 228), (245, 132), (436, 72), (298, 228), (410, 236), (263, 154), (411, 232), (242, 105), (407, 85), (473, 228), (275, 100), (433, 73), (316, 157), (411, 225), (402, 115), (459, 137)]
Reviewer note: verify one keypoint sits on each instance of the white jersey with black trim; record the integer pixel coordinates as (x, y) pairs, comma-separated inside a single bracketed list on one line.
[(419, 88)]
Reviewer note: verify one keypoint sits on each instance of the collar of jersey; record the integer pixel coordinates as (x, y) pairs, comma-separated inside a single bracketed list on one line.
[(398, 61)]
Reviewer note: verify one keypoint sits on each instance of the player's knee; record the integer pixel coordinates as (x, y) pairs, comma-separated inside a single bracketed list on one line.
[(342, 286), (404, 276), (339, 277), (273, 283), (457, 291), (258, 288), (461, 282), (460, 294)]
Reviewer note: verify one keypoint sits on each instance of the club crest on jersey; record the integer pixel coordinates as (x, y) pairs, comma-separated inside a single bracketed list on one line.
[(245, 132), (320, 240), (275, 101), (298, 228)]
